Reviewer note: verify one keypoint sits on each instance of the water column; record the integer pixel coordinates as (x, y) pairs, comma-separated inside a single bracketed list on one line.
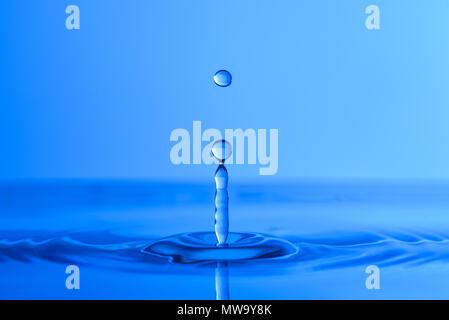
[(221, 205), (221, 150)]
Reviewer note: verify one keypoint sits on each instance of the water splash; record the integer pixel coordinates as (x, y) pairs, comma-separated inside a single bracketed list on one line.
[(202, 247), (198, 247)]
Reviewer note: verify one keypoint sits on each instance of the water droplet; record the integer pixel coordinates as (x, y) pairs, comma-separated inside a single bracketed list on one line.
[(223, 78), (221, 150)]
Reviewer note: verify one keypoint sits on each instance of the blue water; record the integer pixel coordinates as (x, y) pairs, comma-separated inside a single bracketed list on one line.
[(339, 228)]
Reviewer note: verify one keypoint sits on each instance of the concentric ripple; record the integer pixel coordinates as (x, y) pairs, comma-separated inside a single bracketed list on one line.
[(201, 247), (320, 252)]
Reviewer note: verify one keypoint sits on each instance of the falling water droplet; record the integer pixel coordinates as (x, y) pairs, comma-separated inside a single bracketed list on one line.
[(221, 150), (223, 78)]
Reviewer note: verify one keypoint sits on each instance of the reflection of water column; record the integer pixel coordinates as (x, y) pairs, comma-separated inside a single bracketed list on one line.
[(222, 281), (221, 205)]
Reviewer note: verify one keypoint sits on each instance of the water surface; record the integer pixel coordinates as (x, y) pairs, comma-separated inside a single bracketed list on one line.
[(339, 228)]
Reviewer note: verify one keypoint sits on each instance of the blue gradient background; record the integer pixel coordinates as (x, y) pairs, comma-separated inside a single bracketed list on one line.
[(100, 102), (86, 115)]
